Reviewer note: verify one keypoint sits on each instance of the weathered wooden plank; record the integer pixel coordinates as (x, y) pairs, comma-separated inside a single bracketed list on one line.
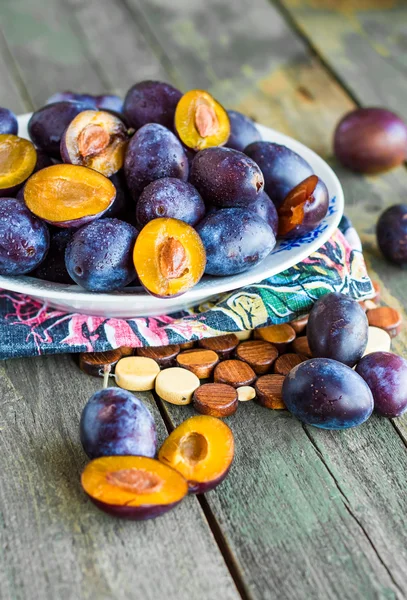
[(11, 96), (53, 542), (298, 526), (363, 42)]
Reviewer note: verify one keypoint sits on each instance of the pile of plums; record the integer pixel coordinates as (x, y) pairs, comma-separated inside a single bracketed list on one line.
[(156, 190)]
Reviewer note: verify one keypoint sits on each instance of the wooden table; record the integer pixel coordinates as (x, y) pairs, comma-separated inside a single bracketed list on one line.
[(305, 513)]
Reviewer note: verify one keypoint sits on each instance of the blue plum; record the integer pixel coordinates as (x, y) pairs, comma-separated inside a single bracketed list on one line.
[(266, 209), (242, 131), (102, 102), (327, 394), (115, 422), (151, 102), (338, 329), (386, 375), (226, 178), (282, 168), (170, 197), (235, 240), (47, 125), (8, 121), (153, 153), (121, 203), (53, 267), (24, 238), (100, 255), (391, 232)]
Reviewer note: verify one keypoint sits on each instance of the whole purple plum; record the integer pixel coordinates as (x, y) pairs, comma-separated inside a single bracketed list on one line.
[(120, 206), (8, 121), (53, 267), (235, 240), (266, 209), (386, 375), (282, 168), (24, 238), (226, 178), (169, 197), (338, 329), (43, 161), (153, 153), (47, 125), (151, 102), (100, 255), (327, 394), (109, 102), (242, 131), (391, 232), (102, 102), (115, 422)]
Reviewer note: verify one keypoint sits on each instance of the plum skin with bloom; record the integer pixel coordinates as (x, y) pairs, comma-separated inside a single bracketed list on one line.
[(386, 375), (327, 394), (115, 422)]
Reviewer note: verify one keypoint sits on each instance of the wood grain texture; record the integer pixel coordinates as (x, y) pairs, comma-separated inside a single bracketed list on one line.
[(364, 44), (54, 543)]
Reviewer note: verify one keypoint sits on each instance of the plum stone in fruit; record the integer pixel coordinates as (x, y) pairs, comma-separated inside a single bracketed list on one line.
[(115, 422), (338, 329), (327, 394)]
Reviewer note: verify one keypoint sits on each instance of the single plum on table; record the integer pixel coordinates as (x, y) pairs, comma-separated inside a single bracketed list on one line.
[(24, 238), (327, 394), (153, 153), (235, 240), (338, 328), (170, 197), (200, 121), (47, 125), (68, 195), (115, 422), (243, 131), (96, 139), (18, 158), (282, 168), (151, 102), (303, 208), (265, 209), (53, 267), (391, 232), (8, 121), (386, 375), (133, 487), (226, 178), (100, 255)]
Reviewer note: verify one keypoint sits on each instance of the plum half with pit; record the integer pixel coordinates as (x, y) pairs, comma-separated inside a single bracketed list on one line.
[(282, 168), (243, 131), (100, 255), (226, 178), (151, 102), (391, 232), (386, 375), (235, 240), (53, 267), (8, 121), (153, 153), (327, 394), (24, 238), (170, 197), (337, 328), (47, 125), (303, 209), (115, 422), (96, 139)]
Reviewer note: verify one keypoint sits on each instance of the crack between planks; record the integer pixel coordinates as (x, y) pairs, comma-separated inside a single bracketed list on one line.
[(347, 506), (213, 524)]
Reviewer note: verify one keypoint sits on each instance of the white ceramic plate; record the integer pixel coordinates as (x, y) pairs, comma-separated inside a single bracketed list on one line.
[(135, 302)]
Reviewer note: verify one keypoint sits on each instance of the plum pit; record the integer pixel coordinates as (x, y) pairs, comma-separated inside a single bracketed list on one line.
[(137, 481), (92, 140), (193, 447)]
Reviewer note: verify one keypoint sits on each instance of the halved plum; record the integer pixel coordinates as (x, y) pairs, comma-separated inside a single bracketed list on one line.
[(133, 487), (169, 257), (303, 208), (17, 161), (68, 195), (200, 121), (96, 139), (202, 450)]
